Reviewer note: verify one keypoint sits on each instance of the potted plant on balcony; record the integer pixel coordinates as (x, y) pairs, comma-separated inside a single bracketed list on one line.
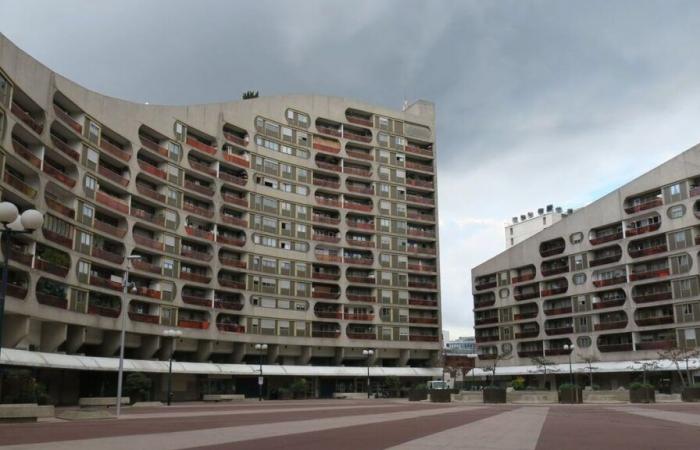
[(570, 393), (642, 393)]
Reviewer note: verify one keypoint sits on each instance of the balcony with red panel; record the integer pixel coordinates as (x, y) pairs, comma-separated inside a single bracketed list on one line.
[(52, 260), (359, 117), (325, 216), (233, 280), (359, 187), (358, 313), (236, 135), (104, 305), (606, 255), (362, 276), (554, 287), (193, 319), (611, 321), (232, 175), (197, 274), (328, 311), (147, 239), (237, 198), (145, 287), (325, 144), (421, 248), (423, 182), (146, 263), (417, 214), (360, 294), (65, 145), (232, 259), (202, 165), (325, 272), (359, 240), (526, 292), (421, 265), (552, 247), (147, 213), (422, 282), (197, 296), (357, 170), (115, 145), (555, 327), (201, 143), (230, 237), (328, 163), (328, 254), (354, 151), (27, 111), (661, 345), (116, 175), (558, 347), (485, 282), (113, 200), (329, 127), (154, 141), (26, 150), (69, 116), (643, 202), (326, 181), (358, 257), (609, 277), (652, 292), (357, 134), (484, 300), (328, 199), (232, 301), (607, 233), (530, 349), (621, 342), (152, 167), (423, 299), (652, 245), (199, 185), (419, 148), (325, 235), (555, 266), (364, 332), (233, 217), (488, 317), (654, 316), (644, 225), (358, 221), (327, 291), (608, 299), (136, 316), (522, 274), (107, 250), (198, 207), (325, 330), (149, 189), (416, 164), (652, 269), (527, 330), (60, 238), (106, 278), (228, 323), (423, 337), (487, 335), (664, 339), (526, 311), (65, 174), (424, 199)]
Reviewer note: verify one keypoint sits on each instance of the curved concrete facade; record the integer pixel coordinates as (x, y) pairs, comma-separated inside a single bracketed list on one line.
[(305, 222)]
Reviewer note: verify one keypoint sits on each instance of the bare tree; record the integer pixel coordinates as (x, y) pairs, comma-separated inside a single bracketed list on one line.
[(589, 360), (544, 365), (644, 367), (678, 356), (499, 357)]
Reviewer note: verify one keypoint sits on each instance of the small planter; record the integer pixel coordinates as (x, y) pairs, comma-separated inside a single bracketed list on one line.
[(494, 395), (643, 395), (572, 395), (690, 394), (417, 395), (441, 396)]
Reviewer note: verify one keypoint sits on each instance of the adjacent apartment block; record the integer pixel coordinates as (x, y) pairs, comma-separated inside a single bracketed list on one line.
[(618, 278), (307, 223)]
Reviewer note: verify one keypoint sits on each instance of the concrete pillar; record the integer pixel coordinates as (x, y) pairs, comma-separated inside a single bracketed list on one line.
[(53, 334), (404, 357), (339, 356), (14, 330), (149, 346), (273, 352), (204, 350), (76, 338), (238, 352), (306, 354), (110, 343)]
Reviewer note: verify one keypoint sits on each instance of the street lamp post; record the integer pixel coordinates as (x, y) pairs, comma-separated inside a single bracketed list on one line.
[(173, 334), (122, 337), (13, 223), (368, 354), (570, 349), (260, 348)]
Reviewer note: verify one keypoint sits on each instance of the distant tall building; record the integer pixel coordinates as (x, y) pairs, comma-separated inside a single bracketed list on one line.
[(528, 225), (463, 345)]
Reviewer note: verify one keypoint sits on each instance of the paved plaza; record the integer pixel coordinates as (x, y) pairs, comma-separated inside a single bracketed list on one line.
[(372, 424)]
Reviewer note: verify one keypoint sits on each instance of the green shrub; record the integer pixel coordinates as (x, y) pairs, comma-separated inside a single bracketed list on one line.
[(137, 386), (567, 386), (19, 386), (298, 386), (518, 383)]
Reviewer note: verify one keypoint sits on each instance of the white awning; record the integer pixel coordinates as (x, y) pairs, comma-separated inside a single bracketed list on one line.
[(77, 362), (597, 367)]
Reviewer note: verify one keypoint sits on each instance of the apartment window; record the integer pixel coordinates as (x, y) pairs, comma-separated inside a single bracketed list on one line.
[(85, 239), (301, 228), (92, 156), (676, 212), (384, 188), (83, 268), (383, 122), (579, 278), (93, 132), (301, 211), (675, 189), (286, 133), (179, 131), (578, 262), (88, 212), (174, 150)]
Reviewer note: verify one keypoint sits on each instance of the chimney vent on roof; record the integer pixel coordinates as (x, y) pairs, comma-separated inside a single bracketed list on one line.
[(515, 220), (530, 215), (523, 217), (558, 209), (550, 208), (540, 211), (569, 211)]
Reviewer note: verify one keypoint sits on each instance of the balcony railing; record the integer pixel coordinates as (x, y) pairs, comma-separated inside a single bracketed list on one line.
[(357, 136), (605, 260), (16, 291), (610, 281), (559, 330), (198, 301), (154, 218), (201, 211), (357, 171), (523, 277), (106, 283), (19, 185), (148, 242), (234, 179), (360, 298), (228, 304), (326, 238), (113, 176), (551, 251), (112, 202), (650, 274), (528, 334), (26, 118), (229, 240), (525, 315), (329, 314), (146, 266), (154, 146), (652, 296), (420, 183), (325, 276), (147, 318), (656, 345), (328, 258), (486, 320), (234, 284), (202, 234), (487, 338), (50, 267), (235, 139), (67, 119), (549, 271), (357, 335), (196, 324), (26, 154), (103, 311), (230, 327), (328, 202), (201, 146), (150, 193), (419, 151), (233, 262), (647, 204), (233, 199), (422, 338), (624, 347), (607, 238), (325, 333), (326, 148), (326, 295), (647, 251), (553, 291), (65, 148), (327, 183), (650, 321), (529, 353), (58, 238), (611, 303), (610, 325), (196, 277), (353, 316), (58, 175), (201, 167), (418, 166), (641, 230), (556, 351), (557, 311), (360, 243), (359, 155), (238, 221), (152, 170), (114, 150), (112, 257), (359, 225), (204, 190), (51, 300), (421, 302), (526, 295)]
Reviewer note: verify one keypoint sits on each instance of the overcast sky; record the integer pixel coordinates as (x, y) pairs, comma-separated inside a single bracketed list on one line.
[(538, 102)]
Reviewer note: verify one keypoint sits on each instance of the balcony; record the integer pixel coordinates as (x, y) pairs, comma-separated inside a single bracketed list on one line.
[(423, 338), (326, 294), (356, 118), (197, 232), (199, 210), (196, 277), (149, 192), (554, 269), (653, 273), (202, 167), (525, 315), (557, 311), (153, 218), (358, 261), (420, 199), (422, 284), (609, 303), (360, 225), (527, 334), (146, 318), (233, 220), (349, 204), (59, 207), (415, 182), (58, 238), (107, 255), (114, 150), (519, 296), (103, 311), (607, 348), (25, 117), (64, 147), (236, 139), (25, 153), (231, 262), (422, 267), (322, 237), (423, 320), (144, 266), (606, 236), (16, 291), (112, 202), (641, 230), (201, 146), (357, 136), (328, 314), (482, 301), (419, 166), (67, 119), (328, 201), (610, 281), (610, 325), (524, 277), (57, 174), (359, 154), (644, 205), (148, 242), (360, 298), (154, 146), (651, 321), (557, 351), (50, 267), (638, 252), (653, 296), (234, 179), (607, 259), (361, 172), (360, 242), (196, 300), (555, 331), (235, 200), (529, 353), (553, 247), (152, 170), (100, 281), (230, 327), (113, 176), (326, 183), (201, 189), (359, 335), (19, 185), (325, 333), (231, 283), (657, 345), (51, 300), (194, 324), (413, 301), (553, 291), (354, 316), (487, 338), (230, 240), (230, 305)]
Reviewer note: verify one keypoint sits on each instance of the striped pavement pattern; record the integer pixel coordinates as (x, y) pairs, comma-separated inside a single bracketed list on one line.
[(373, 424)]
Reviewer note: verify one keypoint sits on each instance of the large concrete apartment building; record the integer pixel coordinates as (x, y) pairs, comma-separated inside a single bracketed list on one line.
[(308, 223), (618, 279)]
